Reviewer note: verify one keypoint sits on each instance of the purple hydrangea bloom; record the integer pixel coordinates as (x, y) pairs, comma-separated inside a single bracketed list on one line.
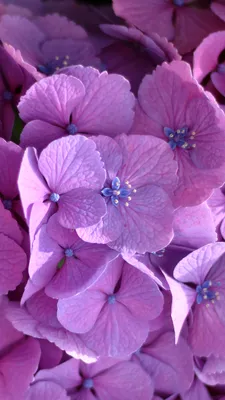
[(209, 62), (106, 379), (134, 54), (198, 292), (66, 179), (197, 391), (38, 318), (141, 177), (14, 81), (48, 43), (122, 301), (13, 259), (183, 21), (63, 264), (170, 366), (86, 102), (173, 107), (19, 358)]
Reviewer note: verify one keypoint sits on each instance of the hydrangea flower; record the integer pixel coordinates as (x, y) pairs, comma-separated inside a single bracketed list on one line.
[(66, 179), (160, 357), (186, 22), (19, 358), (211, 370), (48, 43), (121, 302), (13, 259), (106, 379), (198, 291), (14, 81), (63, 264), (134, 54), (38, 318), (141, 177), (51, 355), (87, 102), (173, 107), (209, 62)]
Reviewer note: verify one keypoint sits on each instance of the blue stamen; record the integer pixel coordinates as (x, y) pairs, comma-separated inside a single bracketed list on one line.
[(7, 204), (54, 197), (117, 193), (111, 299), (54, 65), (180, 138), (69, 252), (72, 129), (88, 383), (207, 292)]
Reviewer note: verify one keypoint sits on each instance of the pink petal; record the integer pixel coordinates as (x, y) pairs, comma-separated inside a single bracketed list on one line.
[(149, 17), (99, 112), (39, 134), (69, 154), (53, 99), (150, 203), (218, 9), (13, 263), (50, 355), (71, 311), (66, 374), (9, 226), (124, 375), (18, 367), (111, 154), (32, 186), (139, 294), (46, 391), (9, 173), (206, 55)]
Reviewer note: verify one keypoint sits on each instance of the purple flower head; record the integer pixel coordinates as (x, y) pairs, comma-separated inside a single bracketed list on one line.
[(14, 81), (86, 102), (13, 259), (173, 107), (48, 43), (122, 301), (106, 379), (185, 22), (209, 62), (170, 366), (211, 370), (12, 9), (134, 54), (38, 318), (216, 203), (62, 263), (141, 175), (19, 358), (67, 179), (197, 391), (198, 291)]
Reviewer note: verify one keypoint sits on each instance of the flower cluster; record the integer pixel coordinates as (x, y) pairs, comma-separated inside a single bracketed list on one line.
[(112, 200)]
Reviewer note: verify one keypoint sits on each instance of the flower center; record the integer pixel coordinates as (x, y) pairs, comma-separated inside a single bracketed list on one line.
[(178, 3), (7, 203), (118, 192), (111, 299), (71, 129), (54, 65), (54, 197), (180, 138), (88, 383), (207, 292), (69, 252)]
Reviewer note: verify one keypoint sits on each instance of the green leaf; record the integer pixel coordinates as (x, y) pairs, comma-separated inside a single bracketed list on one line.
[(17, 129), (61, 263)]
